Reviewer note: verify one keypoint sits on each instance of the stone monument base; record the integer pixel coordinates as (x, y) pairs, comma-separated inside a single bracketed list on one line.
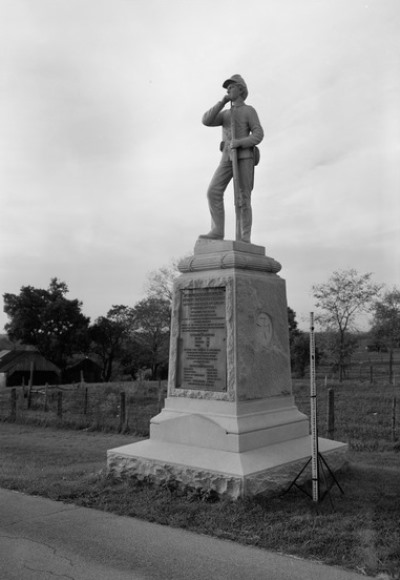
[(267, 470), (230, 423), (240, 448)]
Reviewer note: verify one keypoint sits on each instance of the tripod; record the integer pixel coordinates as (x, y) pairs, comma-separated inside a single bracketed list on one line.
[(323, 470), (319, 466)]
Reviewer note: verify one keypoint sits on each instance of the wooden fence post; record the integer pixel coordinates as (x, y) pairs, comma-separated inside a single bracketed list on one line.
[(331, 414), (45, 405), (85, 401), (394, 417), (59, 404), (371, 374), (30, 384), (126, 424), (122, 416), (13, 414), (160, 396)]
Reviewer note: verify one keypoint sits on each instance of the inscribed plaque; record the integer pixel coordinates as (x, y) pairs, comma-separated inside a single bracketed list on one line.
[(202, 340)]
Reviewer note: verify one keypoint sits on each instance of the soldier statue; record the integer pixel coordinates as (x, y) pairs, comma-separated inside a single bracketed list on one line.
[(241, 133)]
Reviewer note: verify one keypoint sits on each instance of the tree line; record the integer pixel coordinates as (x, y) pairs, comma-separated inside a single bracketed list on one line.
[(128, 339), (341, 300)]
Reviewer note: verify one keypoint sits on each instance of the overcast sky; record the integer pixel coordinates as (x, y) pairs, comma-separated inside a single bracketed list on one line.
[(105, 163)]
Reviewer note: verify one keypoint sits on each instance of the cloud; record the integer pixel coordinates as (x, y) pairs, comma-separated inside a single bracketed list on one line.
[(105, 162)]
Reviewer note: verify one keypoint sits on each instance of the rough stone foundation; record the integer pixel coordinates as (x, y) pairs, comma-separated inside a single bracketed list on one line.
[(269, 480)]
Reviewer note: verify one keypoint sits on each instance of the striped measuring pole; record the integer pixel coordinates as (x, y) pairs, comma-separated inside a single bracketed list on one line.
[(314, 424)]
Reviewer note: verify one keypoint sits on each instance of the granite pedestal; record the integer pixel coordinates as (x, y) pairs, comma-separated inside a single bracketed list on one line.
[(230, 423)]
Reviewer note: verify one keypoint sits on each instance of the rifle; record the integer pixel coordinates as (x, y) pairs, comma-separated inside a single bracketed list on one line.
[(235, 170)]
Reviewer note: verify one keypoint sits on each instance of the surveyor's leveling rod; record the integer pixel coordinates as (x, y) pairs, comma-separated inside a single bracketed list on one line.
[(235, 170), (314, 424), (318, 463)]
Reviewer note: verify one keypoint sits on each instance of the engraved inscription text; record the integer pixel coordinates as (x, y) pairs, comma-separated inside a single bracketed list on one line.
[(202, 339)]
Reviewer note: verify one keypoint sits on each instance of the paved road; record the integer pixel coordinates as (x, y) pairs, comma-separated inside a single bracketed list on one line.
[(43, 540)]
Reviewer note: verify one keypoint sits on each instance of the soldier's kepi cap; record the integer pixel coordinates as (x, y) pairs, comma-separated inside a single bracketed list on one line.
[(240, 81)]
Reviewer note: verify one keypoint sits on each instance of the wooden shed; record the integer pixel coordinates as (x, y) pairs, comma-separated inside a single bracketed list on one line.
[(16, 367), (85, 369)]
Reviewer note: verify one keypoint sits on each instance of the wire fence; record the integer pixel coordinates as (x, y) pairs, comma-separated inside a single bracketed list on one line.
[(365, 414), (364, 371), (114, 407)]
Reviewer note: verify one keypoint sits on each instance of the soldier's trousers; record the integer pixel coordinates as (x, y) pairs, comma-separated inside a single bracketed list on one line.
[(215, 196)]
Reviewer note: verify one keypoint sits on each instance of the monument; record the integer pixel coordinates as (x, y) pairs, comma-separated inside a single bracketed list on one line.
[(230, 423)]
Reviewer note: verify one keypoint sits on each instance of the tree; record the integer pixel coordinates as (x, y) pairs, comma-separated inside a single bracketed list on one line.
[(109, 335), (299, 343), (151, 320), (293, 327), (160, 282), (47, 320), (346, 295), (300, 354), (338, 350), (386, 324)]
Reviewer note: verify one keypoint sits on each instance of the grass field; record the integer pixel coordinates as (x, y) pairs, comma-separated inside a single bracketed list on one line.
[(362, 532)]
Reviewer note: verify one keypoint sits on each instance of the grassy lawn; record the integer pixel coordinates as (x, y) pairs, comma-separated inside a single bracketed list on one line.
[(362, 533)]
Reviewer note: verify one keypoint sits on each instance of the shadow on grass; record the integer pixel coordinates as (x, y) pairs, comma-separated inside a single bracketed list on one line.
[(362, 533)]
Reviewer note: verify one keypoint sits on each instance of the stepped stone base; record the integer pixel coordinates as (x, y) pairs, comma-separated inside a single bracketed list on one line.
[(267, 470), (230, 423)]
